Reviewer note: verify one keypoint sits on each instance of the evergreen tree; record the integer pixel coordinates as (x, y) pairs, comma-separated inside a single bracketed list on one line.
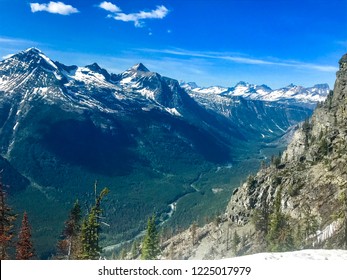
[(123, 254), (171, 251), (298, 238), (263, 164), (70, 246), (260, 218), (344, 199), (7, 219), (342, 213), (24, 249), (279, 236), (310, 221), (193, 230), (235, 242), (90, 230), (150, 245), (228, 236), (134, 250)]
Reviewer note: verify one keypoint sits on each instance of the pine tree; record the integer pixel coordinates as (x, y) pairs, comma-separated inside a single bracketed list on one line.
[(193, 230), (69, 247), (279, 236), (235, 242), (298, 238), (24, 249), (260, 218), (171, 251), (90, 230), (150, 245), (90, 236), (310, 221), (342, 213), (134, 250), (344, 198), (123, 254), (7, 219)]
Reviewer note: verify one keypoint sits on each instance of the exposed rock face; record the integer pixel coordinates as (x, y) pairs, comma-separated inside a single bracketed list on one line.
[(311, 178)]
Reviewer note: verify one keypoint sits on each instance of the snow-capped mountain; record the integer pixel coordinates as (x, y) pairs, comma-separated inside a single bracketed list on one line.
[(301, 96), (62, 127)]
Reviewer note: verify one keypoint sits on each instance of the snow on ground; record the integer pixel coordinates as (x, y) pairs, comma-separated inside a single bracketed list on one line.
[(299, 255), (297, 265)]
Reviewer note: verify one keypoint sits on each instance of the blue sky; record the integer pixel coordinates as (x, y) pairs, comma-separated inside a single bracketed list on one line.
[(211, 42)]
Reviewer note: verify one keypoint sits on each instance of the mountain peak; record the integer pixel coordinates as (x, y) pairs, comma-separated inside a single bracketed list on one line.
[(291, 85), (242, 83), (35, 57), (33, 50), (191, 85), (140, 67), (97, 69), (94, 67), (321, 86)]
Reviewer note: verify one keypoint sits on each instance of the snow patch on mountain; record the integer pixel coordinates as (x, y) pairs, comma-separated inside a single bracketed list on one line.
[(147, 93), (88, 77), (173, 111), (49, 61)]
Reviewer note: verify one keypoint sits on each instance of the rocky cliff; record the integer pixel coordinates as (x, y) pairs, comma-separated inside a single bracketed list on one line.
[(299, 200)]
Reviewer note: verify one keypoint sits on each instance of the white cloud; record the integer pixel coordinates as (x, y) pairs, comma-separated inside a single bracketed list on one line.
[(108, 6), (138, 18), (54, 8), (16, 44), (11, 40), (242, 59)]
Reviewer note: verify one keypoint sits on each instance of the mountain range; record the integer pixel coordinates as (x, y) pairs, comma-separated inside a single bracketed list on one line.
[(304, 97), (143, 135)]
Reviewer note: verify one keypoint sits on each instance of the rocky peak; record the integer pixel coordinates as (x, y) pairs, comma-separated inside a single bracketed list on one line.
[(97, 69), (94, 67), (140, 68)]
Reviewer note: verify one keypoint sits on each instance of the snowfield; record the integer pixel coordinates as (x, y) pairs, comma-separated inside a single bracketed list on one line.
[(305, 265), (298, 255)]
